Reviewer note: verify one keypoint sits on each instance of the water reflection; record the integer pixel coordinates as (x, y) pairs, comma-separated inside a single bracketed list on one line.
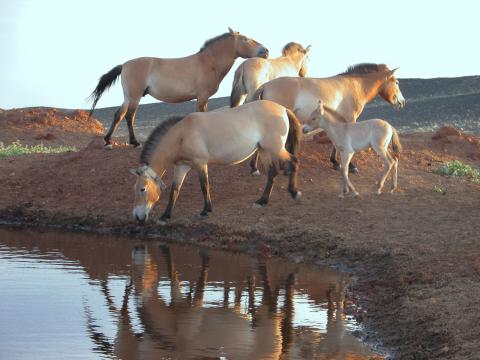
[(127, 299)]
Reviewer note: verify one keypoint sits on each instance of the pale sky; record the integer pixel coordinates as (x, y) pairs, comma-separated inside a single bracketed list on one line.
[(53, 51)]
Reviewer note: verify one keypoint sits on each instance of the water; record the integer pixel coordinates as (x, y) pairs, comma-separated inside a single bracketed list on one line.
[(71, 296)]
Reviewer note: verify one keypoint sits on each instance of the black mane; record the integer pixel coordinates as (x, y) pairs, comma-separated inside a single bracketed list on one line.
[(154, 138), (364, 68), (214, 40)]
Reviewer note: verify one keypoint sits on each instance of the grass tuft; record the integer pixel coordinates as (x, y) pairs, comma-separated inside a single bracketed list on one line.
[(16, 148), (458, 169)]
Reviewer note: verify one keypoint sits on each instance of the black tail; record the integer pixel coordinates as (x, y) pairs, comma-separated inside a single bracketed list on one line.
[(294, 136), (104, 83)]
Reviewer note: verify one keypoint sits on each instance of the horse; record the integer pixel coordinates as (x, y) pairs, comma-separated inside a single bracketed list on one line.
[(197, 76), (227, 136), (256, 71), (347, 93), (349, 138)]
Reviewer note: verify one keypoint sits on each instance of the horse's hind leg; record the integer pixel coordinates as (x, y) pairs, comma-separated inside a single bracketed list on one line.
[(205, 186), (388, 162), (179, 173), (394, 175), (272, 172), (333, 159), (292, 181), (347, 184), (119, 114), (130, 117), (254, 165)]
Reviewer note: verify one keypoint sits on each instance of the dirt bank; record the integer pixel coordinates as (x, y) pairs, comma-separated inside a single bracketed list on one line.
[(415, 253)]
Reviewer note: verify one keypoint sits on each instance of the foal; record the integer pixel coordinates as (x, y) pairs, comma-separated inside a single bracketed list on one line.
[(348, 138)]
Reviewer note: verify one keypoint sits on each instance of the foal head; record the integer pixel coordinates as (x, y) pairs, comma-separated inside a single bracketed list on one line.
[(321, 116), (148, 188), (300, 54), (246, 47), (390, 90)]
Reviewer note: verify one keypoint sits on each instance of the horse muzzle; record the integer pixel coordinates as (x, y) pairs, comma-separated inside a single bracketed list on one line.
[(140, 215), (263, 53)]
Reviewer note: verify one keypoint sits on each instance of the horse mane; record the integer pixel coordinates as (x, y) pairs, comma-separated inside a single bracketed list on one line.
[(365, 68), (291, 48), (214, 40), (335, 114), (155, 137)]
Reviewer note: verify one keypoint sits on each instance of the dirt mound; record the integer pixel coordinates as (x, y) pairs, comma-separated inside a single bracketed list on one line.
[(457, 142), (58, 127)]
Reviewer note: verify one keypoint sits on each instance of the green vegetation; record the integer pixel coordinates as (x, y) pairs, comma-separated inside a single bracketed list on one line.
[(439, 189), (16, 148), (458, 169)]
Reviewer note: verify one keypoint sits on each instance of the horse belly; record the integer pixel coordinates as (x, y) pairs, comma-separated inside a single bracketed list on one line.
[(232, 152), (171, 88)]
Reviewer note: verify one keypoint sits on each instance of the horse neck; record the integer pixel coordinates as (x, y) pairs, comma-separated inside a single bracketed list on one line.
[(332, 122), (164, 154), (296, 60), (220, 57), (370, 86)]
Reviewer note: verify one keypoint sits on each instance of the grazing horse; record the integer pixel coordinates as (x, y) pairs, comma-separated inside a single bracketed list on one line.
[(175, 80), (256, 71), (226, 136), (349, 138), (347, 93)]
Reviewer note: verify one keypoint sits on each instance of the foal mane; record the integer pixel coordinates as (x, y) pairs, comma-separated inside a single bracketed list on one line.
[(365, 68), (155, 137), (335, 114), (213, 40), (291, 48)]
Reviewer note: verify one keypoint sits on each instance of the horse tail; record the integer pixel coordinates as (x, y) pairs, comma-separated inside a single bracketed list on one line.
[(104, 83), (258, 94), (396, 145), (238, 88), (294, 136)]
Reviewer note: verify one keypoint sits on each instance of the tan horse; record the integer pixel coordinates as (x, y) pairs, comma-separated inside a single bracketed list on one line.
[(349, 138), (347, 93), (226, 136), (254, 72), (175, 80)]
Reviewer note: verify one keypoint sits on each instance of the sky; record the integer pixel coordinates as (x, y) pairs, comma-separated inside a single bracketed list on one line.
[(54, 51)]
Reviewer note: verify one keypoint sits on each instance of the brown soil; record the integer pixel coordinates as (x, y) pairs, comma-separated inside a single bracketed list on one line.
[(415, 253)]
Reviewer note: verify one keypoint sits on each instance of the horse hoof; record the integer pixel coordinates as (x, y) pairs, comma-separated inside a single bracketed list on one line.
[(137, 146), (161, 222), (255, 173), (257, 206), (341, 195), (378, 192), (108, 146), (204, 214), (297, 196), (353, 170), (355, 194), (336, 166)]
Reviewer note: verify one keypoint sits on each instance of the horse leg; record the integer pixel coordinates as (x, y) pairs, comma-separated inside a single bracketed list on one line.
[(387, 166), (130, 117), (202, 104), (292, 180), (119, 114), (333, 158), (205, 186), (254, 165), (347, 184), (394, 175), (272, 172), (179, 173)]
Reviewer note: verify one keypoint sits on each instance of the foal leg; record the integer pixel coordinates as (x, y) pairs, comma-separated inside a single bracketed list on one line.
[(333, 159), (394, 175), (130, 117), (202, 104), (119, 114), (272, 172), (387, 166), (254, 165), (205, 186), (347, 185), (179, 173)]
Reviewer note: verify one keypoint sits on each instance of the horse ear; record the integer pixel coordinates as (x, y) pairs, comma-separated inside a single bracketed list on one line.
[(161, 184), (231, 31), (308, 48), (391, 72)]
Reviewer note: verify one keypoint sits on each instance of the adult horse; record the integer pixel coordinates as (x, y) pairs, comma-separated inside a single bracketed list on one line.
[(175, 80), (347, 93), (227, 136), (256, 71)]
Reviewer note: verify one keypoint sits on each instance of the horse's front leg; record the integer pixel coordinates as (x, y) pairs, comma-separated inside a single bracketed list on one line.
[(205, 186), (333, 159), (254, 165), (179, 173), (345, 158), (202, 104), (272, 173)]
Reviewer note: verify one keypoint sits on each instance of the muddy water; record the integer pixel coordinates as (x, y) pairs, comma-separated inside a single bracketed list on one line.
[(67, 296)]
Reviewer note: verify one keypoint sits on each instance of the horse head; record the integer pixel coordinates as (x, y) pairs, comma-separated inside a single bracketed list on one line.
[(299, 54), (148, 189), (246, 47), (390, 90)]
